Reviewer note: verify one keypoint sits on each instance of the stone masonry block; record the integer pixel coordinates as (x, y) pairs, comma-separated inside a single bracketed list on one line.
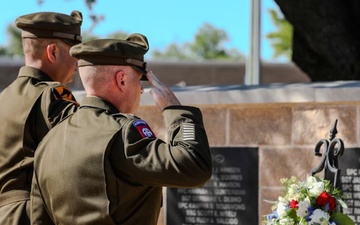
[(313, 122), (265, 195), (215, 122), (260, 125), (277, 162), (153, 116)]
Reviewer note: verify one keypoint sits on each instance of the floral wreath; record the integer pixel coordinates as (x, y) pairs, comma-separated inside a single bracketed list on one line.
[(312, 202)]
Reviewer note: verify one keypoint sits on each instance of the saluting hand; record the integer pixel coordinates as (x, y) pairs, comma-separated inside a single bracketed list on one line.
[(161, 93)]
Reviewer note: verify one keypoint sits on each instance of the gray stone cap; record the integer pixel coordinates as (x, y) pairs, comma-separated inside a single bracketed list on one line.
[(337, 91)]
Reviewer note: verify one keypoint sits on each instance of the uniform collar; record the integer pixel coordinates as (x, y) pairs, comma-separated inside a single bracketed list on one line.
[(96, 102), (27, 71)]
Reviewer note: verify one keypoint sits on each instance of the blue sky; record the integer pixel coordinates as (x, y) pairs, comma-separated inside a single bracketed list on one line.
[(162, 21)]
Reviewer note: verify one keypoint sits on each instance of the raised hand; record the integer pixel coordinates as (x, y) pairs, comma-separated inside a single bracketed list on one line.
[(161, 93)]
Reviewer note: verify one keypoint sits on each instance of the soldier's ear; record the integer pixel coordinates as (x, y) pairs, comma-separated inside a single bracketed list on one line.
[(120, 79), (51, 50)]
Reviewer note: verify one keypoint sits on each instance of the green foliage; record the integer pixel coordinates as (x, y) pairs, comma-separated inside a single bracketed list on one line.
[(87, 36), (2, 51), (282, 38), (312, 201), (118, 35), (207, 45), (15, 46), (15, 42), (208, 42), (173, 51), (341, 217)]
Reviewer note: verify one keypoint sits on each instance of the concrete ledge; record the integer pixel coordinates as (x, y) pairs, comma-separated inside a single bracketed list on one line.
[(339, 91)]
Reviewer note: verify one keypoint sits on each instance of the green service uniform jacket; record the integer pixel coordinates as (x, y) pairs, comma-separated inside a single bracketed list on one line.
[(30, 106), (100, 166)]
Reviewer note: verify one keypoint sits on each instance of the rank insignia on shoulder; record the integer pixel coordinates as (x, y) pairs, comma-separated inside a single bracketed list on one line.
[(62, 92), (143, 128)]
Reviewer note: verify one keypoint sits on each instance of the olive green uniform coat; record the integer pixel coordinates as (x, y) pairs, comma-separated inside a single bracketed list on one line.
[(30, 106), (100, 166)]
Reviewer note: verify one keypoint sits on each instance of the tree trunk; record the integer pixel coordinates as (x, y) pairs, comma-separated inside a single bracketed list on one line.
[(326, 40)]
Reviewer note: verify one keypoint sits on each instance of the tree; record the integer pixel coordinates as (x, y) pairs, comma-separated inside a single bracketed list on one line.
[(15, 46), (173, 51), (207, 45), (118, 35), (325, 37), (282, 38)]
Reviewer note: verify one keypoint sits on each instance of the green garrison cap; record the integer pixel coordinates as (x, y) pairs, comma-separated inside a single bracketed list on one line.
[(130, 52), (52, 25)]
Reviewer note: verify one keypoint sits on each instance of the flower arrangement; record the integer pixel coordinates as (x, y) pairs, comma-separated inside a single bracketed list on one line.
[(312, 202)]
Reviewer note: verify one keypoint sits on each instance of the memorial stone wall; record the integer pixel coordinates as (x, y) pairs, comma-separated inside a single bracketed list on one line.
[(281, 124)]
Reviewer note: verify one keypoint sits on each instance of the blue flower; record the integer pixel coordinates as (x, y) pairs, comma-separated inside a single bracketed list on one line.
[(273, 215)]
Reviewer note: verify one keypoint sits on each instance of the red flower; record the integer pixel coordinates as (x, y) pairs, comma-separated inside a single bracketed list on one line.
[(326, 199), (294, 204)]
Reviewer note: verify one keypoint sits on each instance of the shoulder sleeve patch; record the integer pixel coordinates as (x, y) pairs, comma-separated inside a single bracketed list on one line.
[(143, 129), (62, 92)]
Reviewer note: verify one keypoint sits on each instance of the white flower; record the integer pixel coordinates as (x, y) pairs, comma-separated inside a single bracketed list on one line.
[(319, 217), (303, 222), (315, 187), (303, 208), (309, 181), (287, 221), (282, 206), (298, 202), (293, 192)]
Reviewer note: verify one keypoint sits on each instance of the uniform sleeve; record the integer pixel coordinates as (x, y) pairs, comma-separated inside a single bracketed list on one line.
[(183, 161), (38, 213), (57, 102)]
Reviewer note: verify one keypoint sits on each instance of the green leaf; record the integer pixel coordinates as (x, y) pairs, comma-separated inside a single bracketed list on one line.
[(342, 203), (341, 219), (292, 214), (281, 39)]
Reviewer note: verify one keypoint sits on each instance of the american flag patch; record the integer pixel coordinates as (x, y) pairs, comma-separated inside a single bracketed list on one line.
[(188, 131)]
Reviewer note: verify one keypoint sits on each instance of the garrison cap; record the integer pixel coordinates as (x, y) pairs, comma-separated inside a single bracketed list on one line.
[(129, 52), (52, 25)]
